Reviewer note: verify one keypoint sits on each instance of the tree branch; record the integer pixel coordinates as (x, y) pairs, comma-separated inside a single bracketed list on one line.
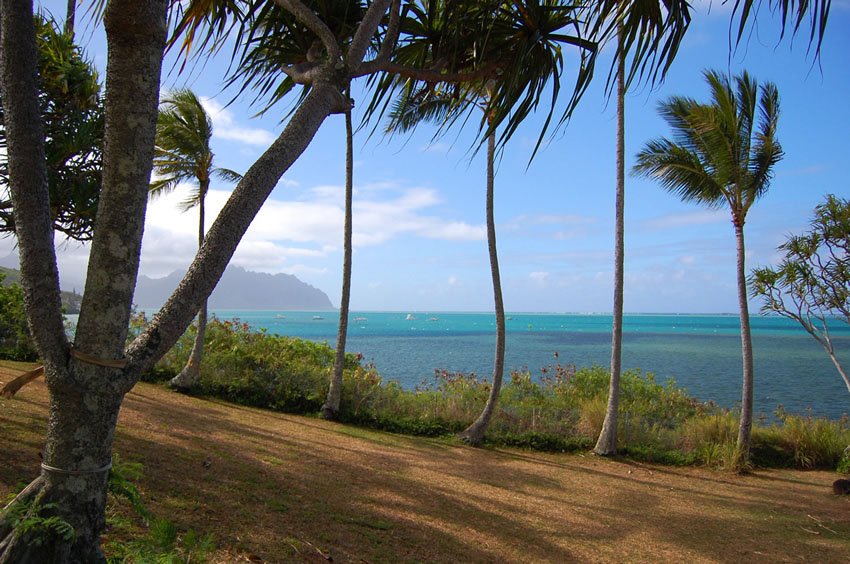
[(227, 230), (302, 73), (306, 16), (367, 28), (28, 180), (491, 70)]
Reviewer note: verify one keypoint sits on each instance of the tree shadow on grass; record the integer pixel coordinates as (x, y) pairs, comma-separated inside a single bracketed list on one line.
[(292, 488)]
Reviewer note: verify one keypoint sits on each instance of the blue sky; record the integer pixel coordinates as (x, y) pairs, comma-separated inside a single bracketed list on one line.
[(419, 205)]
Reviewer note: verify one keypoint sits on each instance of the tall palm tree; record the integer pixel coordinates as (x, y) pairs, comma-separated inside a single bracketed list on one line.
[(722, 154), (330, 409), (525, 40), (650, 30), (183, 154), (606, 444), (440, 107)]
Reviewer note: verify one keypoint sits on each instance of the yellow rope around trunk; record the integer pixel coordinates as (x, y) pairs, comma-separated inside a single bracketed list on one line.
[(105, 363)]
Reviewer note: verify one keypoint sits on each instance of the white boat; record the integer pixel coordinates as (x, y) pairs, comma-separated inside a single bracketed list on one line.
[(410, 317), (360, 319), (317, 317)]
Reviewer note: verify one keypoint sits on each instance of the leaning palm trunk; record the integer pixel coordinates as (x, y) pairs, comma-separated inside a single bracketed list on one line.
[(189, 377), (742, 450), (606, 445), (474, 434), (330, 410)]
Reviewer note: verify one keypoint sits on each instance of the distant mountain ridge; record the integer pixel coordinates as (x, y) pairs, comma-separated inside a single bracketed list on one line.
[(70, 300), (240, 289)]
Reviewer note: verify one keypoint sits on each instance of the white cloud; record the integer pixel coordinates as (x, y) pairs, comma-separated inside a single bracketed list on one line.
[(688, 260), (304, 231), (225, 126), (539, 277)]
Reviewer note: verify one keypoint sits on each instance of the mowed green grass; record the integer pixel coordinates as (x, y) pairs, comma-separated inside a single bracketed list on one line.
[(281, 488)]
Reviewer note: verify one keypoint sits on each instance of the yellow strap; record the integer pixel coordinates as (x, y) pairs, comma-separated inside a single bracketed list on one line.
[(106, 363)]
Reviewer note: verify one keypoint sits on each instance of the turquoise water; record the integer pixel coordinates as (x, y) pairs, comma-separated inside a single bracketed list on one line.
[(701, 352)]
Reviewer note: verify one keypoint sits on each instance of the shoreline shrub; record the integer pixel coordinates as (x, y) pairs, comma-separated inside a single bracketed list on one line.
[(559, 410)]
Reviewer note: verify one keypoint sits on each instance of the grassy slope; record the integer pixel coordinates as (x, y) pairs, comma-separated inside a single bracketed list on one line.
[(284, 488)]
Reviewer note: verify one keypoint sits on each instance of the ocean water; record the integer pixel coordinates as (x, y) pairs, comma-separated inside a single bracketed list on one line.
[(702, 353)]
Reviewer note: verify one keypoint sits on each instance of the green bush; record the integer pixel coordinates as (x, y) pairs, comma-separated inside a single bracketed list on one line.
[(561, 410), (15, 340)]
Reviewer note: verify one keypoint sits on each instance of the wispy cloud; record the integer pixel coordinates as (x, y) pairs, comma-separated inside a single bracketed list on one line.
[(439, 147), (305, 230), (226, 127), (676, 220), (810, 170)]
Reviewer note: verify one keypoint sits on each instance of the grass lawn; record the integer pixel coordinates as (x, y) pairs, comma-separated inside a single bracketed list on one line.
[(281, 488)]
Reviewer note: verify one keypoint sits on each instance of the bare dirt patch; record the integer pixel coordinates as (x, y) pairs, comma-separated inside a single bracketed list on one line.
[(281, 488)]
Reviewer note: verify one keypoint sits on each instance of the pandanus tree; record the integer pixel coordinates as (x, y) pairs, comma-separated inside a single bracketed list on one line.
[(722, 154), (183, 154), (71, 108), (88, 378)]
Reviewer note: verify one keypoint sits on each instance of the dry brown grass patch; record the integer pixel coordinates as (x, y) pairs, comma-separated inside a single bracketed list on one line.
[(287, 488)]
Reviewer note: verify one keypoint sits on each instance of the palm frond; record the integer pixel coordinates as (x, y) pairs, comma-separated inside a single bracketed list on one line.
[(792, 13), (226, 175), (722, 151), (679, 171)]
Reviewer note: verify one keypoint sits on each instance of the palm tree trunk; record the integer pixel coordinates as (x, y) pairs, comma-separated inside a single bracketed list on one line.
[(330, 410), (70, 16), (606, 445), (189, 377), (474, 434), (742, 454)]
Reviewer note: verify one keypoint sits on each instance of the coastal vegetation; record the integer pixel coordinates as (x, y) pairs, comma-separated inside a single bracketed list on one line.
[(70, 103), (560, 409), (89, 375)]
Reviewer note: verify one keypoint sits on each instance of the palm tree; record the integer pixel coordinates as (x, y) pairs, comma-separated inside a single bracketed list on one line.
[(474, 434), (183, 154), (722, 154), (278, 39), (606, 444), (525, 40), (330, 409), (662, 28)]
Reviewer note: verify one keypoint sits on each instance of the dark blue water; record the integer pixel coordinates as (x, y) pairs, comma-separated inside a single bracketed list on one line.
[(701, 352)]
